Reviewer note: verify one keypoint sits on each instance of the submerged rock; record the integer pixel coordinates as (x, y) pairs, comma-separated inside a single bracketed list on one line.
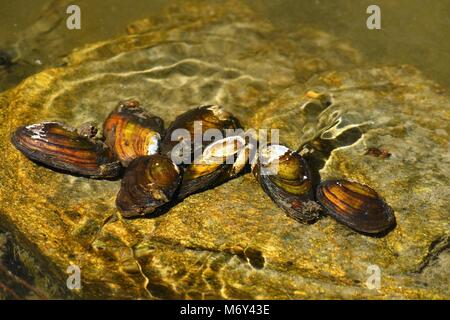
[(233, 241)]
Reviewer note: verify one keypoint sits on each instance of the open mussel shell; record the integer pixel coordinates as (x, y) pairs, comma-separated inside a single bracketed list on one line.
[(63, 148), (199, 177), (356, 206), (284, 175), (130, 132), (149, 183), (216, 164), (196, 122), (187, 139)]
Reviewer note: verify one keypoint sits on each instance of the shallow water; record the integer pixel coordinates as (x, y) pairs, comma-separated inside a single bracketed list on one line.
[(412, 32)]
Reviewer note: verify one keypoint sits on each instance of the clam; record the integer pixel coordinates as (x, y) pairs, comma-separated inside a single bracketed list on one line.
[(285, 177), (188, 131), (186, 142), (199, 177), (61, 147), (149, 183), (356, 206), (131, 132), (219, 161)]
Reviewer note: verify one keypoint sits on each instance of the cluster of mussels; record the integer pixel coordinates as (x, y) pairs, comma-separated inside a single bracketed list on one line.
[(136, 146)]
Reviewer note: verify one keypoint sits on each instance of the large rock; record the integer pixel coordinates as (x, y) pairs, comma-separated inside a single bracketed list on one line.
[(232, 241)]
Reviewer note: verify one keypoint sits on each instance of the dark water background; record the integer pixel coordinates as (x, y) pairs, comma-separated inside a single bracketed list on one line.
[(413, 31)]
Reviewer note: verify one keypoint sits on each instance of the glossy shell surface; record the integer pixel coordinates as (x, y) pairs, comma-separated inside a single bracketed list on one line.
[(149, 183), (195, 123), (355, 205), (63, 148), (285, 177), (130, 132), (215, 165), (187, 139)]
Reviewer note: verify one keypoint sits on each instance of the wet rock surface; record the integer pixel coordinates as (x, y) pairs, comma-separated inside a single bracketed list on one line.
[(233, 241)]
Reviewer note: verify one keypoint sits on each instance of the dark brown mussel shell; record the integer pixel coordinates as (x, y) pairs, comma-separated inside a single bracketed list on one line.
[(216, 164), (130, 132), (356, 206), (199, 174), (210, 117), (149, 183), (284, 175), (63, 148), (199, 177)]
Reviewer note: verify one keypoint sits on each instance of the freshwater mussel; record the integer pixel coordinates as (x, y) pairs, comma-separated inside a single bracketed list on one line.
[(284, 175), (355, 205), (61, 147), (187, 140), (194, 129), (149, 183), (201, 148), (130, 132)]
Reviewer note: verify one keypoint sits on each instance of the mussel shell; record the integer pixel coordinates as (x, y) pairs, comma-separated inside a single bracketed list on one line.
[(284, 175), (198, 177), (149, 183), (130, 132), (61, 147), (213, 167), (211, 117), (356, 206)]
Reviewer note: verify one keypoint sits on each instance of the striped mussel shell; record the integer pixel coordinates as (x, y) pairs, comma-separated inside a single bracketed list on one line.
[(219, 161), (61, 147), (284, 175), (183, 142), (130, 132), (149, 183), (356, 206), (210, 117)]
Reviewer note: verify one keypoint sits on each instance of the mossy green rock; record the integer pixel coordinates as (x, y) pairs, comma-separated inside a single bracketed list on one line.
[(232, 241)]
